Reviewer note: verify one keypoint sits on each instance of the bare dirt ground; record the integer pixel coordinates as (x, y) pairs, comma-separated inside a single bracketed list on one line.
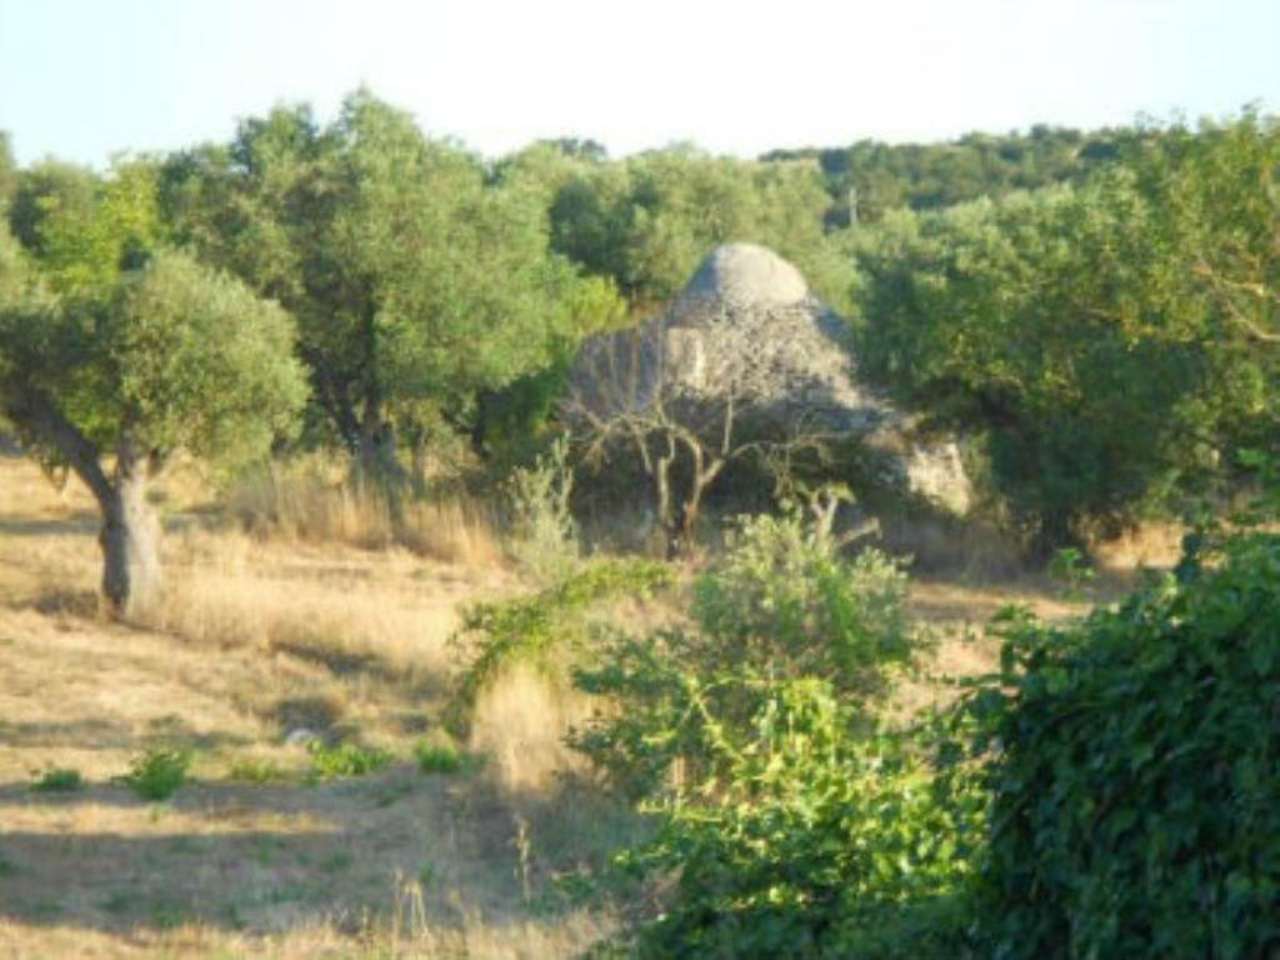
[(257, 640)]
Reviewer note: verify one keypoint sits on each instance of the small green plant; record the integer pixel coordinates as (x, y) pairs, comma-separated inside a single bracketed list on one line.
[(544, 534), (58, 780), (1070, 568), (445, 758), (496, 635), (253, 770), (158, 773), (345, 760)]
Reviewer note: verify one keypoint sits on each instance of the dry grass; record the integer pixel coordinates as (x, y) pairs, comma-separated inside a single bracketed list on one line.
[(309, 501), (283, 621), (256, 636)]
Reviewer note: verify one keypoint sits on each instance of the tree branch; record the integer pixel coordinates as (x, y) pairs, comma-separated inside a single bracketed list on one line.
[(33, 412)]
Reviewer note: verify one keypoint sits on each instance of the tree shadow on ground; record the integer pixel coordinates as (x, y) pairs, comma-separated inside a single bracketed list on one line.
[(78, 523), (264, 858)]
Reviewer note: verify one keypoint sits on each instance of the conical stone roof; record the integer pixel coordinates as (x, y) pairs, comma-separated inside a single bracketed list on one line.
[(747, 325)]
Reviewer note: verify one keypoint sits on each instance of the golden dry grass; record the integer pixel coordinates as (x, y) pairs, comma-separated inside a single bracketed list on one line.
[(308, 501), (282, 620), (256, 636)]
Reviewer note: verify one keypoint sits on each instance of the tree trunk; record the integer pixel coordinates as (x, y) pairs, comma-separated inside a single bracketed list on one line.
[(130, 539), (379, 472), (130, 535)]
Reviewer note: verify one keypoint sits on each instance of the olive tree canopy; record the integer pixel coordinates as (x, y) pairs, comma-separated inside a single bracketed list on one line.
[(170, 356)]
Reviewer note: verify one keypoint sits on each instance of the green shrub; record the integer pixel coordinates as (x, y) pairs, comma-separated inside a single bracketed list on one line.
[(784, 600), (345, 760), (495, 635), (791, 824), (815, 838), (782, 604), (58, 780), (445, 758), (1136, 784), (158, 773)]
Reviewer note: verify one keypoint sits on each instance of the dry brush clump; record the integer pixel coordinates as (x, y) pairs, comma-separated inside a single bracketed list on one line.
[(311, 500)]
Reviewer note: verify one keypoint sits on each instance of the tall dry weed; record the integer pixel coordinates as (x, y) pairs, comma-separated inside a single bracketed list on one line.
[(310, 500)]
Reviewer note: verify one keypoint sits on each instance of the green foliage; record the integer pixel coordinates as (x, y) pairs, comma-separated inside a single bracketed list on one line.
[(1070, 568), (58, 780), (175, 355), (790, 823), (49, 189), (416, 282), (495, 635), (781, 605), (544, 534), (814, 839), (648, 221), (1112, 343), (331, 762), (445, 758), (254, 770), (200, 363), (784, 601), (8, 172), (1135, 772), (158, 773), (876, 178)]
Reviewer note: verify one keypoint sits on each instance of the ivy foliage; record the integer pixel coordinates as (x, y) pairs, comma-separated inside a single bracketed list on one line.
[(1135, 783)]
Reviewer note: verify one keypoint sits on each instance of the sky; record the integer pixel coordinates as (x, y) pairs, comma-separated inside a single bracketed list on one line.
[(83, 79)]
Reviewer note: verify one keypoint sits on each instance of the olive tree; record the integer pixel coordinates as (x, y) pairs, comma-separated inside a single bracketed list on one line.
[(416, 280), (170, 356), (1116, 342)]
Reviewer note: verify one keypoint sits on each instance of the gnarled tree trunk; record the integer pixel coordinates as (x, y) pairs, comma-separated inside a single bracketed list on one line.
[(130, 538), (130, 534)]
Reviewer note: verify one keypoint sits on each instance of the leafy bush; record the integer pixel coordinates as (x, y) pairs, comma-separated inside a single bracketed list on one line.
[(345, 760), (1109, 343), (58, 780), (782, 604), (1136, 784), (444, 758), (790, 823), (814, 840), (158, 773), (785, 601), (495, 635)]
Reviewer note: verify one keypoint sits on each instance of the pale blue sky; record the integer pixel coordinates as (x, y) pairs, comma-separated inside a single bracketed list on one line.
[(84, 78)]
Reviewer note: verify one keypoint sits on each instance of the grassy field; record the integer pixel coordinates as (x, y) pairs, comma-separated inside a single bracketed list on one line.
[(263, 643)]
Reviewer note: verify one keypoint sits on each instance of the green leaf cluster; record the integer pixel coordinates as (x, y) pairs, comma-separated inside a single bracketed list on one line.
[(1135, 772), (815, 839), (790, 823), (495, 635), (1112, 344), (781, 605)]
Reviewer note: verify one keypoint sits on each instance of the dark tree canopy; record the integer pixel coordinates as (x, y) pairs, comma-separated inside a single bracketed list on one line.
[(415, 281), (1116, 342)]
